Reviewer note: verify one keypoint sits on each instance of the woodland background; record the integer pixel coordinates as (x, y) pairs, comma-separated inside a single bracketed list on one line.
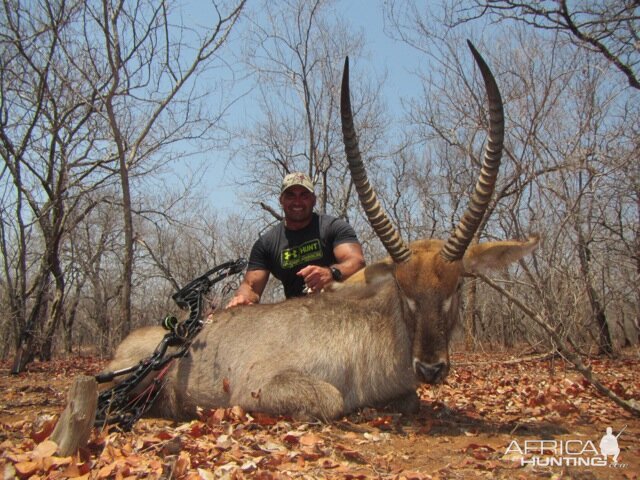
[(111, 111)]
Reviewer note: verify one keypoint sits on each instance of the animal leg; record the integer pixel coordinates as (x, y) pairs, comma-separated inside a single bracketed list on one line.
[(301, 396)]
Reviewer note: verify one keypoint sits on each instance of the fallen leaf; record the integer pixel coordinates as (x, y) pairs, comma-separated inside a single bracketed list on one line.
[(272, 447), (205, 474), (264, 420), (310, 440), (42, 427), (26, 469), (55, 462), (45, 449), (237, 413), (377, 437), (351, 455), (182, 465), (249, 466), (218, 416), (291, 440), (224, 441), (106, 471)]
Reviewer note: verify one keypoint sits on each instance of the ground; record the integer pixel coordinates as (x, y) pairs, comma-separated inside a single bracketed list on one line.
[(497, 416)]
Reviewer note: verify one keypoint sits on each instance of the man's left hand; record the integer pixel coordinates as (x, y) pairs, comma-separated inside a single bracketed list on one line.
[(316, 277)]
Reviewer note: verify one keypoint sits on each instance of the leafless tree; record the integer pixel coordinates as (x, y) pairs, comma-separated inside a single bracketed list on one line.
[(148, 66), (296, 50), (606, 28), (566, 123), (96, 245), (47, 144), (75, 116)]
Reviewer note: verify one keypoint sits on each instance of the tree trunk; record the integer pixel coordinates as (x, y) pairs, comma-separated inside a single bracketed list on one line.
[(127, 271), (26, 346), (73, 429), (70, 317), (605, 344), (52, 320), (115, 57), (51, 325), (637, 259)]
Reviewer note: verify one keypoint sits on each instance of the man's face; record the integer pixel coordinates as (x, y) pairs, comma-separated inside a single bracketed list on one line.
[(297, 203)]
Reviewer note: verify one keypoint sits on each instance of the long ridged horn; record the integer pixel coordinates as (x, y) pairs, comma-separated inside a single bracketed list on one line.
[(377, 218), (457, 243)]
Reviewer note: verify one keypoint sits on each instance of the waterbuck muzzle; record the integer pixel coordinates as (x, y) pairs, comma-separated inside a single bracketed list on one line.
[(431, 373)]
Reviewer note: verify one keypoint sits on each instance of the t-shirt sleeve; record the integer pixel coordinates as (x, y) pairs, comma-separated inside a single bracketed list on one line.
[(342, 232), (258, 258)]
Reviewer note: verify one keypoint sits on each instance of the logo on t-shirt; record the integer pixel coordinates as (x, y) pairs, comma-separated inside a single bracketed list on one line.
[(307, 252)]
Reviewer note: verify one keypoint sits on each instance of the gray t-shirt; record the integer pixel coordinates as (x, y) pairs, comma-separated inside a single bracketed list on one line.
[(285, 252)]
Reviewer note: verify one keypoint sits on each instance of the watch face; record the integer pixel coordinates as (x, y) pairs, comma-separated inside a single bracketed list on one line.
[(336, 274)]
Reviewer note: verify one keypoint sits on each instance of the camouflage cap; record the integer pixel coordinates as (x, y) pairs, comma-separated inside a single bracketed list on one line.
[(297, 178)]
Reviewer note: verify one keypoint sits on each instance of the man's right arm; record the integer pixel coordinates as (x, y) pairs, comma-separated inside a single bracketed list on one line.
[(251, 288)]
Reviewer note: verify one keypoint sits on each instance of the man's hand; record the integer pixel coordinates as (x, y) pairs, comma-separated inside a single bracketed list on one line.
[(239, 300), (316, 277), (251, 288)]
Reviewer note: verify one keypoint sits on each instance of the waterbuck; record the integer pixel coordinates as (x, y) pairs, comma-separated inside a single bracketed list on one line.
[(369, 342)]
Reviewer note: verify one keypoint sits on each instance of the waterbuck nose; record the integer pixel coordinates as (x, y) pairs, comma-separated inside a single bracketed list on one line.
[(431, 372)]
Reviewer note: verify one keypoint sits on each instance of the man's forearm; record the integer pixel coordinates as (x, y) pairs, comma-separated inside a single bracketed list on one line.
[(350, 266), (349, 258), (247, 292)]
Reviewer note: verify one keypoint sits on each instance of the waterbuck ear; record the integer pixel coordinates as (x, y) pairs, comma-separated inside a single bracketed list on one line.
[(374, 273), (493, 255)]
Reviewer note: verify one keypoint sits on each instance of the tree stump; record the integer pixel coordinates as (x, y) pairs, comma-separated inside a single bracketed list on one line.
[(76, 421)]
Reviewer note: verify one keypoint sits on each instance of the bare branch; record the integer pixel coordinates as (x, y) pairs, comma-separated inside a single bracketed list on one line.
[(562, 347)]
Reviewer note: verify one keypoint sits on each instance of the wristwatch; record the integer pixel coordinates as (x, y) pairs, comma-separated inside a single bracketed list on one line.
[(336, 274)]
